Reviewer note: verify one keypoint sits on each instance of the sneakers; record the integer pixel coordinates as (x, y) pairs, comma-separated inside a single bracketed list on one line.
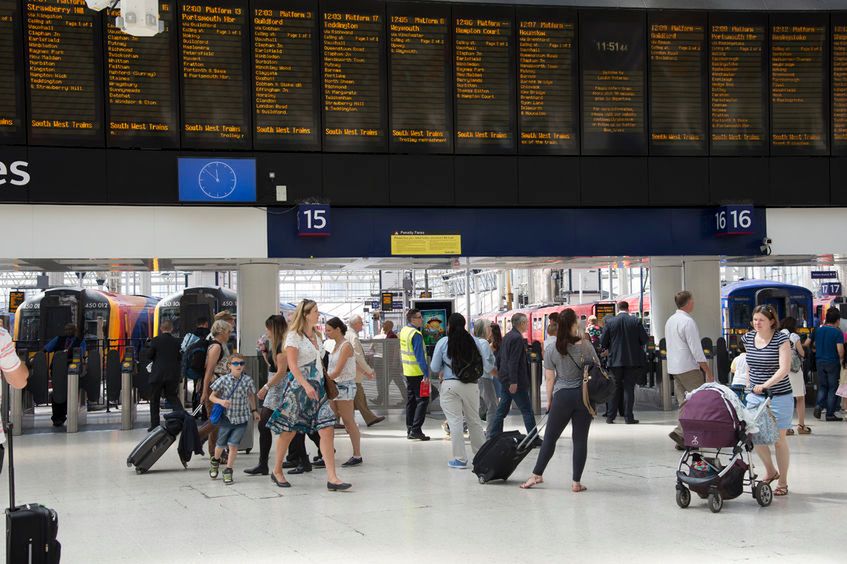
[(228, 476), (213, 468), (833, 418), (458, 464), (817, 412), (419, 436)]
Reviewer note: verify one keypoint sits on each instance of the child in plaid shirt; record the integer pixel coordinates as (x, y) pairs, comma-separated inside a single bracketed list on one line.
[(237, 394)]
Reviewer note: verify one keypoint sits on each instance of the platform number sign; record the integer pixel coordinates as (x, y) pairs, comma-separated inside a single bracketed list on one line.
[(831, 288), (313, 220), (734, 220)]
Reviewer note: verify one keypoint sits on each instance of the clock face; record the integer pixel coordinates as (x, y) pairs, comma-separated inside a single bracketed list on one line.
[(217, 180)]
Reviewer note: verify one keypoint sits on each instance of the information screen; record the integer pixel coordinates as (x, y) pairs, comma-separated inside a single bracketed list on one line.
[(419, 57), (485, 80), (739, 81), (678, 89), (141, 85), (354, 105), (12, 109), (64, 73), (799, 84), (839, 84), (548, 116), (285, 84), (612, 54), (215, 68)]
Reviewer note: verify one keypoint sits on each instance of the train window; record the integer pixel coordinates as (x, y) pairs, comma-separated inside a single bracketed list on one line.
[(742, 315), (90, 322), (172, 315), (29, 325)]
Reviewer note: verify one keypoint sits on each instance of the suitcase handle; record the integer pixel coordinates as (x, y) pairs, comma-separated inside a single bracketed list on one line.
[(532, 435)]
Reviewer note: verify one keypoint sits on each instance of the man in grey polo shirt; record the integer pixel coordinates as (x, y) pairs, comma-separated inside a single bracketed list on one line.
[(686, 361)]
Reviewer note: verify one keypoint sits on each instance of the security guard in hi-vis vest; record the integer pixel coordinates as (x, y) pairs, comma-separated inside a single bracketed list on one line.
[(415, 369)]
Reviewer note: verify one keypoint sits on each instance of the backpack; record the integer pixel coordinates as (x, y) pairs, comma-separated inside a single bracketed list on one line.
[(471, 371), (195, 356)]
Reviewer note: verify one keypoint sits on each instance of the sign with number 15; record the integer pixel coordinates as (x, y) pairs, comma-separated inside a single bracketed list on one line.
[(313, 220)]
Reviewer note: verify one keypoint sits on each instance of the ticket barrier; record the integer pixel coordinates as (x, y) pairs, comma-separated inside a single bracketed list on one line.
[(129, 406), (21, 405), (667, 385), (77, 403), (709, 351)]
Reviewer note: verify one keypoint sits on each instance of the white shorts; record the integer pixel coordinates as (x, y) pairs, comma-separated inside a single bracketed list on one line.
[(798, 385)]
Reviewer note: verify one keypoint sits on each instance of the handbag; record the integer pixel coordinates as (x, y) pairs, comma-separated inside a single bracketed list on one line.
[(842, 384), (425, 388), (218, 410), (767, 433), (597, 387)]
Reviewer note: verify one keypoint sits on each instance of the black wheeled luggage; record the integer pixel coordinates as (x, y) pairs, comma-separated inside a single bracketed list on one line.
[(499, 456), (154, 445)]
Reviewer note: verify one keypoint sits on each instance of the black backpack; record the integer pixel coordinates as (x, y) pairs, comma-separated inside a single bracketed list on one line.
[(195, 356), (469, 372)]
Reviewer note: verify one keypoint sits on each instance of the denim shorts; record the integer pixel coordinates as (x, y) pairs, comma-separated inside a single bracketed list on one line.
[(782, 408), (229, 434), (346, 390)]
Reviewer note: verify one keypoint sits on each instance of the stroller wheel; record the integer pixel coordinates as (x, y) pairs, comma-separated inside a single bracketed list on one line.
[(683, 496), (715, 502), (763, 494)]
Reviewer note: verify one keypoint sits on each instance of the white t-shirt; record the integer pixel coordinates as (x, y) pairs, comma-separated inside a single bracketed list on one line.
[(306, 351), (740, 369)]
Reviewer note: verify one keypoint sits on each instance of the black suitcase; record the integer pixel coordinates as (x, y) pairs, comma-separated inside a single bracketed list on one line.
[(31, 529), (154, 445), (498, 457)]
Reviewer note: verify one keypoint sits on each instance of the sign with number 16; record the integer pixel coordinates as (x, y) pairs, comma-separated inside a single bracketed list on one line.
[(734, 220)]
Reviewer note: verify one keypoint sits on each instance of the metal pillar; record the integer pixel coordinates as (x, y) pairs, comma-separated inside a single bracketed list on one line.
[(77, 404), (129, 408)]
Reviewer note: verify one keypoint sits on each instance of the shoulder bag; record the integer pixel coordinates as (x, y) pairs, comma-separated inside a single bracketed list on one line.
[(330, 386), (218, 410), (597, 387)]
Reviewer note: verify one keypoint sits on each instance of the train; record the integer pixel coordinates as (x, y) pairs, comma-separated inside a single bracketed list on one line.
[(97, 314), (185, 307)]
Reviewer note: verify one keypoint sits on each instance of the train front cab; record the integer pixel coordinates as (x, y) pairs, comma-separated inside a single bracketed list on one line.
[(183, 309), (738, 305)]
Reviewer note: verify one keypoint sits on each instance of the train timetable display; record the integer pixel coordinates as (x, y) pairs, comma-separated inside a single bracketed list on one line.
[(141, 86), (839, 84), (548, 114), (738, 77), (64, 73), (354, 108), (11, 88), (677, 83), (215, 64), (285, 67), (421, 111), (612, 54), (485, 81), (799, 85)]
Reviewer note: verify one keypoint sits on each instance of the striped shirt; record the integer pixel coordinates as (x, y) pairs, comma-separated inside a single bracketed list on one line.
[(8, 358), (764, 363)]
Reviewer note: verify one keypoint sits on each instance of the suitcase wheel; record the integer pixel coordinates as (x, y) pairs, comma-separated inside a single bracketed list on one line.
[(128, 463), (140, 471), (482, 480), (248, 451)]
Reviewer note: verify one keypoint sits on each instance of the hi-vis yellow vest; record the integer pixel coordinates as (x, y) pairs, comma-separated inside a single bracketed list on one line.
[(407, 352)]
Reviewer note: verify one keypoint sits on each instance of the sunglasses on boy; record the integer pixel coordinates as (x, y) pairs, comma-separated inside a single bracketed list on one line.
[(237, 363)]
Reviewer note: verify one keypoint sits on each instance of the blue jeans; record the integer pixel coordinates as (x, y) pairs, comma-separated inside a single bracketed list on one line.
[(521, 397), (828, 375)]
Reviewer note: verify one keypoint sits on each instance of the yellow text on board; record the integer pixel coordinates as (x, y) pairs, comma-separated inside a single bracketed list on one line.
[(426, 245)]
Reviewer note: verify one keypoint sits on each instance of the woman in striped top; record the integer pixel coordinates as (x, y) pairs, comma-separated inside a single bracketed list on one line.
[(769, 362)]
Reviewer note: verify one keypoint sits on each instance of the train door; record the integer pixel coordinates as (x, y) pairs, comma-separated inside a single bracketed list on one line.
[(56, 312), (191, 312), (776, 298)]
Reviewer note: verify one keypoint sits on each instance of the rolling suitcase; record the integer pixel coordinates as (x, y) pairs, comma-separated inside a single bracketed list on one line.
[(498, 457), (31, 529), (153, 446)]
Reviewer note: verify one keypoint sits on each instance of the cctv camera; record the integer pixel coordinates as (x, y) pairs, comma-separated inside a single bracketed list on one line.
[(765, 247), (139, 18)]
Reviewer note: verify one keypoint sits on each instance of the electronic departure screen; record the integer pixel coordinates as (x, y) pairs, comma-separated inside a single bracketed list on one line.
[(485, 80), (839, 84), (739, 78), (64, 73), (799, 84), (215, 66), (12, 110), (419, 57), (354, 116), (141, 85), (612, 54), (285, 65), (548, 116), (678, 86)]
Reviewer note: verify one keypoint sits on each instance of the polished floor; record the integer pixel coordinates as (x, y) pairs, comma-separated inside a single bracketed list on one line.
[(408, 506)]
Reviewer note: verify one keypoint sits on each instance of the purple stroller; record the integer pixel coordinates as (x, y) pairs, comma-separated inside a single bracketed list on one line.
[(712, 430)]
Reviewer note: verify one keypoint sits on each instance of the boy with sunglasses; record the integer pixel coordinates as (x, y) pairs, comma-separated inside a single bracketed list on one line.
[(237, 394)]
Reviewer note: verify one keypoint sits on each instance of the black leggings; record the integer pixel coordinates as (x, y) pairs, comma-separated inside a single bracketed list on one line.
[(265, 435), (567, 406)]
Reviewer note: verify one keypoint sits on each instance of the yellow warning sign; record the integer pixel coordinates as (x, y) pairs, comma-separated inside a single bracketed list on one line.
[(421, 244)]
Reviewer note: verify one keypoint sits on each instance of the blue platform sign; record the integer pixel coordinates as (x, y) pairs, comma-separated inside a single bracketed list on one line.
[(824, 274), (734, 220), (313, 220), (831, 288), (217, 180)]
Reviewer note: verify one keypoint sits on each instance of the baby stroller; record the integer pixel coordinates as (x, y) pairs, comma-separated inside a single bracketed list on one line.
[(717, 463)]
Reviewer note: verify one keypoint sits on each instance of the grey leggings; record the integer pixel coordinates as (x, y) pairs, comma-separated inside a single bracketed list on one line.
[(567, 406)]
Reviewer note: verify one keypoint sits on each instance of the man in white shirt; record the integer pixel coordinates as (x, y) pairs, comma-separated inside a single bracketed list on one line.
[(686, 361), (14, 371), (362, 371)]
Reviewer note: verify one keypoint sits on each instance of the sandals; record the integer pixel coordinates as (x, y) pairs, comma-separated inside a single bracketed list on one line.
[(771, 479), (781, 491), (804, 430), (532, 482), (578, 488), (789, 432)]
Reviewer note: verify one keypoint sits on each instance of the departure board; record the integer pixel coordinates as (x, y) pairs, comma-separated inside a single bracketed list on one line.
[(738, 75), (839, 84), (419, 58), (799, 84), (613, 54), (285, 66), (678, 90), (141, 85), (483, 51), (12, 110), (354, 108), (548, 111), (214, 71), (64, 73)]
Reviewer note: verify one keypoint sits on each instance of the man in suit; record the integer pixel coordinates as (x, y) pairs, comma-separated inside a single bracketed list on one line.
[(513, 371), (625, 338), (164, 352)]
